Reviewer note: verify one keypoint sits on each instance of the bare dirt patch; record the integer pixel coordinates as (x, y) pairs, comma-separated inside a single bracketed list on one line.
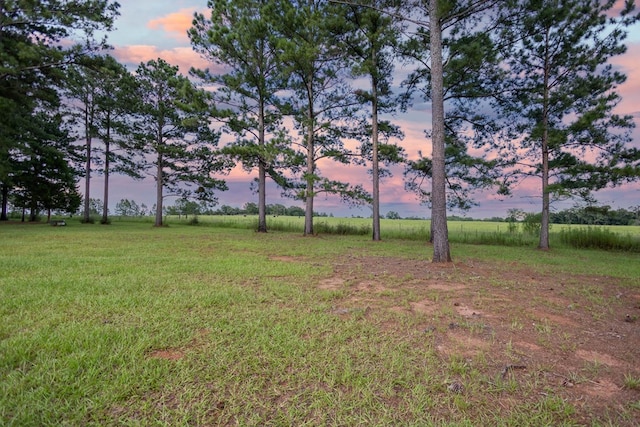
[(575, 337)]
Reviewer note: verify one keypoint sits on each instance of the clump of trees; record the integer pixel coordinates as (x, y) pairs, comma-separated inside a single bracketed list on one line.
[(513, 90)]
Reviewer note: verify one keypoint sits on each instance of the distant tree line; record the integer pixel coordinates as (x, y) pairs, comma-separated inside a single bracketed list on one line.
[(597, 215)]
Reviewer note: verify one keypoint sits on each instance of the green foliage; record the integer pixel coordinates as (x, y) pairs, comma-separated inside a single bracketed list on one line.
[(42, 175), (37, 44), (126, 207), (393, 215), (531, 224), (597, 215)]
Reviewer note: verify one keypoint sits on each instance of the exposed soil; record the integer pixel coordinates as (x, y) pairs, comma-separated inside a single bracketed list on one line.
[(572, 336)]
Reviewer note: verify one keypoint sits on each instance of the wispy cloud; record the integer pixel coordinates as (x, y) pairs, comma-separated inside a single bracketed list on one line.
[(184, 57)]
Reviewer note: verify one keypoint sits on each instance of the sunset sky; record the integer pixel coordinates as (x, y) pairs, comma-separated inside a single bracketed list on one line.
[(151, 29)]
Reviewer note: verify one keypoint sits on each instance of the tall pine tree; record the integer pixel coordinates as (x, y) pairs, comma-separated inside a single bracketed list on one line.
[(172, 129), (238, 37), (561, 96)]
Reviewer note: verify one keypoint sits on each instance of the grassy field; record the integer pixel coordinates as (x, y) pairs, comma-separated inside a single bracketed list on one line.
[(132, 325), (626, 238)]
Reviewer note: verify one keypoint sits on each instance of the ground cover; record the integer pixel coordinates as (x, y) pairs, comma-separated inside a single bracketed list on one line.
[(131, 325)]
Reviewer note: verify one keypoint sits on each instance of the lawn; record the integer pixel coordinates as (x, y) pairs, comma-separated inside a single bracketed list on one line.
[(128, 324)]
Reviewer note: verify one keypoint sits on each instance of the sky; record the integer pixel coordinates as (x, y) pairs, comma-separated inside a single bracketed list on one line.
[(151, 29)]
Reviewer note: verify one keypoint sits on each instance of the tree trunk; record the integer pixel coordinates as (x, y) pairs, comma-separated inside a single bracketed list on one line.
[(309, 191), (107, 155), (544, 218), (438, 192), (5, 201), (311, 169), (262, 176), (374, 152), (88, 129), (87, 180), (33, 211), (159, 185)]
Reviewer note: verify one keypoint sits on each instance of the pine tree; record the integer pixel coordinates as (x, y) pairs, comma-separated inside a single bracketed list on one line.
[(239, 36), (561, 96), (171, 126)]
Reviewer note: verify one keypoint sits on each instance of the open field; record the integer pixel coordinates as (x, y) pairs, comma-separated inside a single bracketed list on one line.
[(132, 325), (625, 238), (391, 227)]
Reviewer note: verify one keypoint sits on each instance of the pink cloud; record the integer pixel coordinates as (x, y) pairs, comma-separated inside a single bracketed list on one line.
[(184, 57), (629, 90), (176, 24)]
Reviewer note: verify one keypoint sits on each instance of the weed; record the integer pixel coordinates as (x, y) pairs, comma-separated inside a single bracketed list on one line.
[(516, 325), (594, 368), (631, 382), (458, 366), (543, 327)]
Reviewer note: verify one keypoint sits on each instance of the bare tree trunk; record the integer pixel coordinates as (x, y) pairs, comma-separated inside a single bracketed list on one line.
[(262, 176), (544, 218), (87, 179), (309, 191), (311, 167), (438, 193), (107, 155), (159, 185), (5, 201), (374, 149)]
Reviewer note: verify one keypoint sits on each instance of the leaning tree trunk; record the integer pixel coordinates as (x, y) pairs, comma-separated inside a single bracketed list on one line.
[(438, 193)]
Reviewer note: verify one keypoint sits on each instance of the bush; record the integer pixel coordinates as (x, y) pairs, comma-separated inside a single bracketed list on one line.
[(532, 223)]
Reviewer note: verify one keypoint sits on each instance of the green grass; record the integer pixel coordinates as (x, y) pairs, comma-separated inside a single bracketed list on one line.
[(127, 324)]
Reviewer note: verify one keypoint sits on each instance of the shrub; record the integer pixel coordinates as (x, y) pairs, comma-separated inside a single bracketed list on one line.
[(532, 223)]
